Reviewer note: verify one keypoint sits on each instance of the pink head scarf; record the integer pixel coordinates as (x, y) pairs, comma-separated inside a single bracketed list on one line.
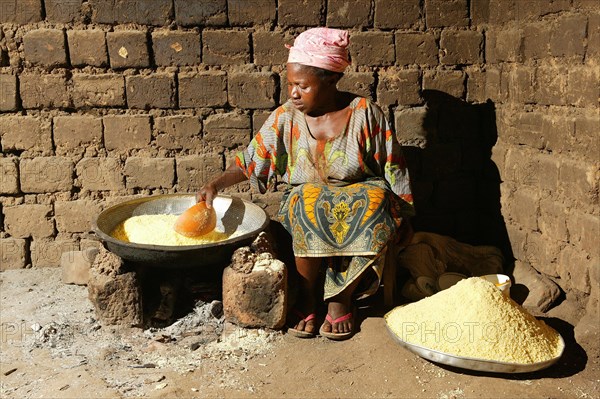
[(322, 48)]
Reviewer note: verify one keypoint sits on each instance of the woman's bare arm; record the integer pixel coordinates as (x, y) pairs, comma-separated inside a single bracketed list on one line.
[(232, 175)]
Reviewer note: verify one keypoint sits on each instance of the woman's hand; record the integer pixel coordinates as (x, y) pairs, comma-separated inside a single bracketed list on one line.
[(207, 193)]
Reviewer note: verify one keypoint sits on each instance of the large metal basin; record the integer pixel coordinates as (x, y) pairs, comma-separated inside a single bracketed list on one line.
[(234, 215)]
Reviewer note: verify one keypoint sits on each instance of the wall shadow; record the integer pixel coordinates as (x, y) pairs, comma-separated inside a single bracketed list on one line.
[(456, 185)]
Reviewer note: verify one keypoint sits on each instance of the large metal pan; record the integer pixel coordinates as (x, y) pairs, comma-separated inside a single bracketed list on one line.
[(234, 215)]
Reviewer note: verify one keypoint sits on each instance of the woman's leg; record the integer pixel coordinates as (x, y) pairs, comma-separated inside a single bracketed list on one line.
[(309, 271), (338, 306)]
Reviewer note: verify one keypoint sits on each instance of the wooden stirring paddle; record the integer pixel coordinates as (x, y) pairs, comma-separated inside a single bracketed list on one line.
[(196, 221)]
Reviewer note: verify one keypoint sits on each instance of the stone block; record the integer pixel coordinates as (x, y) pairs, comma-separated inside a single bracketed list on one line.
[(115, 292), (255, 290), (46, 174), (178, 132), (583, 86), (533, 290), (394, 14), (20, 12), (450, 82), (75, 266), (99, 174), (45, 47), (194, 171), (9, 177), (251, 90), (269, 47), (361, 83), (103, 90), (149, 172), (125, 132), (398, 87), (151, 91), (443, 13), (348, 13), (13, 253), (300, 12), (128, 49), (87, 47), (248, 13), (372, 48), (202, 89), (26, 133), (225, 47), (29, 220), (584, 230), (230, 130), (9, 94), (411, 126), (76, 132), (536, 41), (462, 47), (44, 91), (63, 11), (567, 39), (75, 216), (176, 48), (416, 49), (147, 12), (206, 12)]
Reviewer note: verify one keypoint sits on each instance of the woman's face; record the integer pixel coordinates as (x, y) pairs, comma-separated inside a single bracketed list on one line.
[(308, 92)]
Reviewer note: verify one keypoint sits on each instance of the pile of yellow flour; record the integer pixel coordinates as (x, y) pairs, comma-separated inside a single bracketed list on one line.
[(158, 230), (473, 319)]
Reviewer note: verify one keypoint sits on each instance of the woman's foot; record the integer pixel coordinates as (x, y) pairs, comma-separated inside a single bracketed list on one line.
[(305, 324), (341, 319)]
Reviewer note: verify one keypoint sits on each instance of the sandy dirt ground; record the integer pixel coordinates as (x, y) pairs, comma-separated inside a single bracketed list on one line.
[(53, 347)]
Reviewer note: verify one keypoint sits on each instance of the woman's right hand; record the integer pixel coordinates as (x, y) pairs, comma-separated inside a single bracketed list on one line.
[(207, 193)]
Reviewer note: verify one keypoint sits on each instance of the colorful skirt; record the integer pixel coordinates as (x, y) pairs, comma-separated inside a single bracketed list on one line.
[(351, 226)]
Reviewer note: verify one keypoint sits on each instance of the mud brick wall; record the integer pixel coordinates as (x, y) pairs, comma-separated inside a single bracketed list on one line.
[(495, 102)]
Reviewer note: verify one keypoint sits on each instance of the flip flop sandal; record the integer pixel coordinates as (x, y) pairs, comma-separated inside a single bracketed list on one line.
[(338, 336), (301, 333)]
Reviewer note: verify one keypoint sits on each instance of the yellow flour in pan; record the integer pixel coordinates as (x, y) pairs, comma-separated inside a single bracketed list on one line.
[(473, 319), (158, 230)]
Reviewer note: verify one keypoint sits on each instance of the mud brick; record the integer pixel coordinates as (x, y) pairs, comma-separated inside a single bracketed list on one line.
[(524, 208), (44, 91), (476, 86), (584, 230), (248, 13), (177, 48), (541, 255), (528, 129), (583, 86), (225, 47), (593, 39), (124, 132), (258, 120), (195, 170), (551, 84), (251, 90), (586, 130), (390, 14), (47, 252), (177, 132), (87, 47), (103, 90), (410, 126), (461, 47), (442, 13), (228, 130), (149, 172), (202, 90), (63, 10), (8, 93), (300, 12), (568, 37), (558, 133), (536, 41), (496, 85), (46, 174), (283, 93), (509, 46), (480, 12), (20, 11), (450, 82), (416, 48), (527, 11), (75, 216), (76, 132), (206, 12), (398, 87), (100, 174), (502, 11), (361, 83), (578, 181), (128, 49), (269, 47), (9, 180), (13, 253), (553, 219), (147, 12), (75, 265), (45, 47), (151, 91), (573, 267), (348, 13), (29, 220), (372, 48), (25, 133), (522, 84)]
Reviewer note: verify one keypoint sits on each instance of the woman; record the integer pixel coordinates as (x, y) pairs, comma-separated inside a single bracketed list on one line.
[(348, 193)]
